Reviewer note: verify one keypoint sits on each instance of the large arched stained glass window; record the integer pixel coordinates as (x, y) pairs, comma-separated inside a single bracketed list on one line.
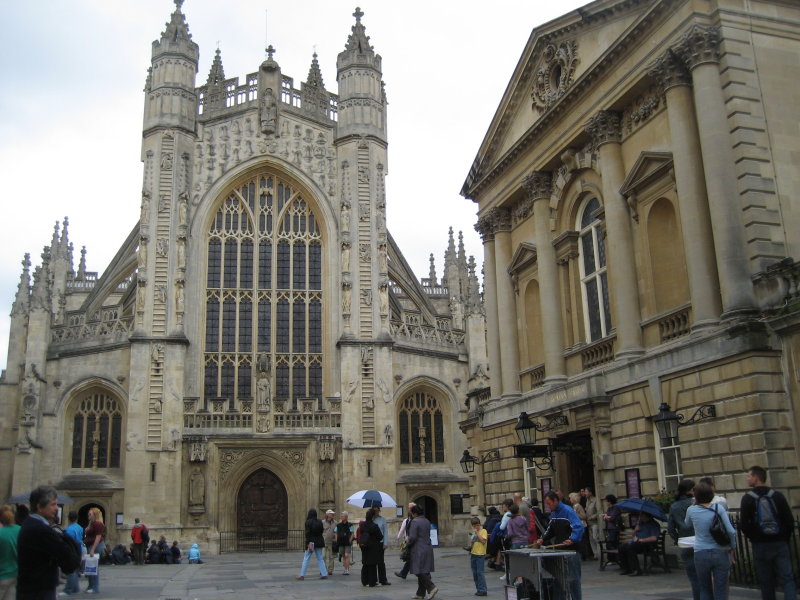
[(594, 274), (421, 429), (96, 432), (263, 296)]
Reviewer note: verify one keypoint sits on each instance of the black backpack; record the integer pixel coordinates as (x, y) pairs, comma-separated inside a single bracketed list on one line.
[(145, 535), (766, 513)]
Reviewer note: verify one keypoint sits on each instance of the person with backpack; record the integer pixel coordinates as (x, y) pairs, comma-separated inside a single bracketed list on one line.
[(714, 543), (766, 520), (140, 537)]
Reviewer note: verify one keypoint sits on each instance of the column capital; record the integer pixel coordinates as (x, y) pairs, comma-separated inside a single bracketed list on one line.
[(604, 127), (539, 185), (698, 46), (669, 71), (497, 220)]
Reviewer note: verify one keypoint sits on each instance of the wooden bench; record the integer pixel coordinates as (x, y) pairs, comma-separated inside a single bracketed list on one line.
[(657, 556)]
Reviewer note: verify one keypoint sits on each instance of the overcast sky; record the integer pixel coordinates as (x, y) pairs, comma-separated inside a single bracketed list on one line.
[(71, 102)]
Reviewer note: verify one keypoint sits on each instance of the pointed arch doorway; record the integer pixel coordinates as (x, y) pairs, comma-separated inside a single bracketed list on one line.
[(262, 513)]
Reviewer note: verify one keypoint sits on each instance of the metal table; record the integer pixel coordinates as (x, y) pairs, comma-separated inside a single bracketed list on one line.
[(546, 570)]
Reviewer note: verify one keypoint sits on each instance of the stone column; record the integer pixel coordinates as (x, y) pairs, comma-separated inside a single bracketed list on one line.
[(699, 50), (506, 305), (486, 231), (604, 128), (539, 186), (698, 240)]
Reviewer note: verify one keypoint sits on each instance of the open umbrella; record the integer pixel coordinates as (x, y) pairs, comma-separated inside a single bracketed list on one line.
[(370, 498), (25, 497), (642, 505)]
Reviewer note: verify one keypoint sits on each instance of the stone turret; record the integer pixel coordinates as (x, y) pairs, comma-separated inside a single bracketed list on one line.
[(362, 102), (18, 331), (171, 99), (315, 98)]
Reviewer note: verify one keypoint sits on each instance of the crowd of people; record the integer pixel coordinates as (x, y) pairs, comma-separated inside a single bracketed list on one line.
[(36, 555), (328, 541)]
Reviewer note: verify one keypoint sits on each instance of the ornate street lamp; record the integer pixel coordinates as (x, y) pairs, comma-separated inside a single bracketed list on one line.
[(668, 421), (468, 461), (526, 432)]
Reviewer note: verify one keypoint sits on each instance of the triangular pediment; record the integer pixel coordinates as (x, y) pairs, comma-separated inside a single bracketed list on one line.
[(648, 168), (562, 57), (524, 257)]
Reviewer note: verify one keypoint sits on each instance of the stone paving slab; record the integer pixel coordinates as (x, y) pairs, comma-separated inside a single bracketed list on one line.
[(272, 576)]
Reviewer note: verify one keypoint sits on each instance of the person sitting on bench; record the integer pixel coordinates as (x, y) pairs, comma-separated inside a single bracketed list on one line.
[(645, 537)]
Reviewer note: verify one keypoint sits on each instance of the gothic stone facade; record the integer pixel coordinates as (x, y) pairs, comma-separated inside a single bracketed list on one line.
[(259, 345), (637, 202)]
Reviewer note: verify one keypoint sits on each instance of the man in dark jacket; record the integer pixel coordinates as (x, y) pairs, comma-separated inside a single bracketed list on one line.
[(769, 535), (43, 549), (678, 529)]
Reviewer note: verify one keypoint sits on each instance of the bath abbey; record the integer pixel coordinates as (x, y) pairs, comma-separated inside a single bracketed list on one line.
[(259, 345)]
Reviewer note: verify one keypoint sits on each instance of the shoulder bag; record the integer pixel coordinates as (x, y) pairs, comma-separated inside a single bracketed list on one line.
[(717, 529)]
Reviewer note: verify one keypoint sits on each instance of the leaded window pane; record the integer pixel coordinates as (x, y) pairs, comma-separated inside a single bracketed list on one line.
[(246, 265), (587, 246), (227, 381), (593, 302), (283, 265), (315, 327), (299, 382), (315, 381), (282, 381), (282, 337), (264, 325), (77, 441), (212, 324), (299, 327), (210, 380), (214, 262), (231, 263), (245, 380), (245, 325), (593, 273), (265, 265), (421, 410), (229, 325), (299, 266), (314, 266)]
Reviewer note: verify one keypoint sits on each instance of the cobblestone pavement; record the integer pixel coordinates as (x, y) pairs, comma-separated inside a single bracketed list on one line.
[(272, 576)]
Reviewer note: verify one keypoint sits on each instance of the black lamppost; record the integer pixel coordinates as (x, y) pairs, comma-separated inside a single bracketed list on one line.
[(668, 421), (468, 461), (526, 432)]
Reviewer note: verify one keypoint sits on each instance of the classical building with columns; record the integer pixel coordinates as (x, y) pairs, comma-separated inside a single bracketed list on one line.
[(637, 203), (258, 346)]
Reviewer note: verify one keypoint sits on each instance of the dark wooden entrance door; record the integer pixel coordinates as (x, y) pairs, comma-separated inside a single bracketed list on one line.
[(576, 468), (262, 509)]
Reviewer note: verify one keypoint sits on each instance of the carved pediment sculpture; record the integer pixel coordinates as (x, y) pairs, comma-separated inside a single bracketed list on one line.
[(555, 74)]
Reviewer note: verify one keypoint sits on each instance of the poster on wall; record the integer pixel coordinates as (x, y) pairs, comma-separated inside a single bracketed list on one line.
[(546, 484), (633, 484)]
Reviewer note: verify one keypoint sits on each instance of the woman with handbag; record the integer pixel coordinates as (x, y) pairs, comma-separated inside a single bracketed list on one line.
[(715, 539), (94, 539), (314, 545)]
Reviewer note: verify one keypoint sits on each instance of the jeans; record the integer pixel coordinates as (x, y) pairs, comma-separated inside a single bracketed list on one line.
[(307, 556), (73, 585), (713, 568), (773, 563), (687, 558), (94, 580), (477, 561), (517, 545), (138, 554)]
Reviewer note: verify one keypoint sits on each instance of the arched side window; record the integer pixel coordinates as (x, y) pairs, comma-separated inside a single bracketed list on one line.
[(263, 295), (421, 429), (96, 431), (594, 276)]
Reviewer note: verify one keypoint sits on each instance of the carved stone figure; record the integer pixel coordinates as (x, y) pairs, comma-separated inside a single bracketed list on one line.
[(145, 215), (142, 257), (326, 483), (181, 259), (161, 294), (197, 488), (364, 254), (268, 112), (346, 296), (346, 256), (383, 265), (263, 392), (388, 434), (166, 161), (351, 390), (263, 423), (180, 306), (162, 247), (345, 215), (183, 209), (384, 298)]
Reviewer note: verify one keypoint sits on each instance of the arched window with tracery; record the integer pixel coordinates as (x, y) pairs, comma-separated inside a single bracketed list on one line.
[(421, 429), (263, 295), (594, 275), (96, 431)]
